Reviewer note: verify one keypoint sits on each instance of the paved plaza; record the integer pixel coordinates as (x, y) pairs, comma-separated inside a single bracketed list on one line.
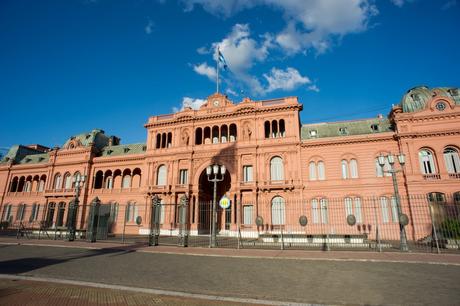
[(199, 276)]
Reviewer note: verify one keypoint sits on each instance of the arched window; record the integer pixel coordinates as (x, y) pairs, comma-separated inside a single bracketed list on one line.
[(161, 175), (427, 165), (6, 214), (215, 134), (274, 129), (282, 128), (41, 183), (57, 181), (382, 172), (158, 141), (126, 182), (223, 133), (354, 168), (344, 165), (60, 214), (276, 169), (21, 212), (452, 160), (76, 176), (198, 136), (14, 184), (321, 171), (312, 171), (233, 132), (163, 140), (355, 209), (169, 144), (67, 181), (267, 129), (278, 210)]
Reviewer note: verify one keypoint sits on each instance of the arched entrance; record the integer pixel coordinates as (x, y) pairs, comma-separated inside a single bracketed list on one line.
[(205, 198)]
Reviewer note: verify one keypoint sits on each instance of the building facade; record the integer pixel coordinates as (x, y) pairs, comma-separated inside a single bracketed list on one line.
[(272, 160)]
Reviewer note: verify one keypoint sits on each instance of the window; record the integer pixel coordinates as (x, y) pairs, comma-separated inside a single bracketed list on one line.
[(374, 127), (161, 175), (109, 183), (7, 212), (131, 212), (324, 214), (183, 176), (379, 171), (67, 181), (41, 185), (394, 210), (359, 218), (344, 165), (356, 211), (354, 168), (247, 173), (312, 171), (34, 214), (452, 160), (384, 209), (314, 211), (348, 206), (426, 162), (343, 131), (276, 169), (57, 182), (126, 183), (60, 214), (247, 214), (278, 210), (321, 171), (313, 133), (21, 212)]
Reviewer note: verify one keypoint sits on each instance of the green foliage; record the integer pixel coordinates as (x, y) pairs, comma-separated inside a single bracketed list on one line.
[(450, 228), (4, 225)]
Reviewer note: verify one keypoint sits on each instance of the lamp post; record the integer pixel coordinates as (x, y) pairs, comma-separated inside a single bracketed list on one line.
[(212, 173), (391, 160), (73, 207)]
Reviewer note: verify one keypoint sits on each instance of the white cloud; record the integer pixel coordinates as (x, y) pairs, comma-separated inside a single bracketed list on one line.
[(206, 70), (203, 50), (399, 3), (309, 23), (240, 50), (284, 79), (313, 88), (449, 4), (149, 27), (231, 92), (190, 102)]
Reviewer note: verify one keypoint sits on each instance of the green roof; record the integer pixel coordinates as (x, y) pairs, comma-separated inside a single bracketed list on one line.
[(22, 154), (416, 98), (345, 128), (136, 148), (95, 137)]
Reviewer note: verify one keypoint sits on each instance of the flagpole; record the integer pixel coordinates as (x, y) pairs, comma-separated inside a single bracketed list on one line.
[(217, 69)]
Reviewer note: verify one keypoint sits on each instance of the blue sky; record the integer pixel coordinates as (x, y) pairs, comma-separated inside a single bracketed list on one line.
[(70, 66)]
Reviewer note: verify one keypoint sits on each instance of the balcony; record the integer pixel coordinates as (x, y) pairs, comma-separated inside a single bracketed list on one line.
[(24, 193), (431, 177), (454, 176), (61, 192), (280, 185), (115, 190), (245, 185)]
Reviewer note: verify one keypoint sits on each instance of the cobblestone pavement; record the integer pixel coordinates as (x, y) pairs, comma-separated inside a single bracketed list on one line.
[(24, 292)]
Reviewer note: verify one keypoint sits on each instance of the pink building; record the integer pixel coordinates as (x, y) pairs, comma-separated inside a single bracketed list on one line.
[(277, 168)]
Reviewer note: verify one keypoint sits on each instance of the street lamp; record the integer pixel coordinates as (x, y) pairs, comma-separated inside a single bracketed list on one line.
[(212, 173), (401, 217), (73, 207)]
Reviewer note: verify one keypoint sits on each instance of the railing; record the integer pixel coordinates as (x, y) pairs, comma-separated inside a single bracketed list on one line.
[(114, 190), (431, 177), (454, 175), (24, 193)]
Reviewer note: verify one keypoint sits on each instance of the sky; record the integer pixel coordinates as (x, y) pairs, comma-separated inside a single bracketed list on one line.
[(69, 66)]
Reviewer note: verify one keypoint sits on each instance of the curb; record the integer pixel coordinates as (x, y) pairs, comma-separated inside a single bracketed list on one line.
[(153, 251)]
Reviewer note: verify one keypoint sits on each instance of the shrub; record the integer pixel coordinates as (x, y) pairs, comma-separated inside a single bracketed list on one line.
[(450, 228)]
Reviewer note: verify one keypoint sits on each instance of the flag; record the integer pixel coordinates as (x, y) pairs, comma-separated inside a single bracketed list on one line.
[(221, 59)]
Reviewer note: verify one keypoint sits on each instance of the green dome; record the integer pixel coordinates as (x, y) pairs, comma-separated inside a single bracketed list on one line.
[(416, 98)]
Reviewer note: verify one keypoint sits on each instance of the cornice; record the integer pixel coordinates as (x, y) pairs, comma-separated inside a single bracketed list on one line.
[(227, 114), (428, 134), (127, 158), (415, 118), (344, 140)]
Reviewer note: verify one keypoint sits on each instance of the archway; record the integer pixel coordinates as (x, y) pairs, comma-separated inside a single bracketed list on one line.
[(205, 198)]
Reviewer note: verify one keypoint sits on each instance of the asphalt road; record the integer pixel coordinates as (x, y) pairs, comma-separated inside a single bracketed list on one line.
[(324, 282)]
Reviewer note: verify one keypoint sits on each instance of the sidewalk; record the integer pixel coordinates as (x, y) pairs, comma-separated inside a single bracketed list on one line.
[(449, 259), (26, 292)]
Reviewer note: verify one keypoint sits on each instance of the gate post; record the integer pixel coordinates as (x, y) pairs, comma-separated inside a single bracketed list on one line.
[(155, 211), (183, 221), (72, 218), (92, 222)]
